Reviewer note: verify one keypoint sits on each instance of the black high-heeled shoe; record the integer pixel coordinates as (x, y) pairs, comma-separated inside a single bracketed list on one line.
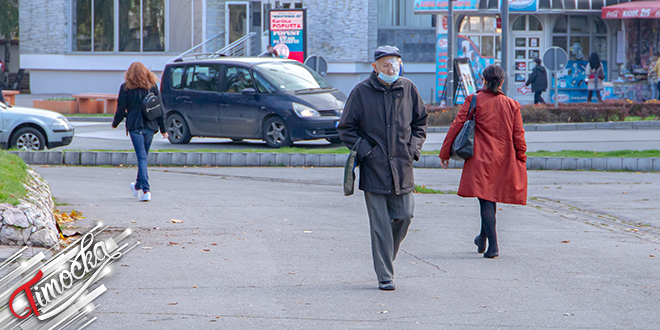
[(480, 242), (492, 255)]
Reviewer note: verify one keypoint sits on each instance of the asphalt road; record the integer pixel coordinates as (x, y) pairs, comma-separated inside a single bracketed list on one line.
[(282, 248), (101, 136)]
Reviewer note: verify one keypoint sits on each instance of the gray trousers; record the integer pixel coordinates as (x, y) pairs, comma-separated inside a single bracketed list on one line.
[(389, 219)]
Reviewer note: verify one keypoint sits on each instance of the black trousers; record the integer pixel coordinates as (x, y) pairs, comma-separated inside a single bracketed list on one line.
[(537, 97), (489, 224), (658, 90), (589, 93)]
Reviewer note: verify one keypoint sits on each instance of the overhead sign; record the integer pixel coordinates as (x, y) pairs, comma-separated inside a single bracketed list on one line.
[(522, 5), (429, 7), (636, 9), (288, 29)]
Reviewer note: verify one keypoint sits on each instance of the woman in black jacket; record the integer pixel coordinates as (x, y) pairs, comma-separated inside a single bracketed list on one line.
[(139, 82)]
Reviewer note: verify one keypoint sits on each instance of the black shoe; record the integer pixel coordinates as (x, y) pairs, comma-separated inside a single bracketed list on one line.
[(480, 242), (491, 255), (386, 286)]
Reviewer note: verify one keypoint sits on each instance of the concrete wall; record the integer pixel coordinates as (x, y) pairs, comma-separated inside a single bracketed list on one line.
[(44, 26), (342, 31)]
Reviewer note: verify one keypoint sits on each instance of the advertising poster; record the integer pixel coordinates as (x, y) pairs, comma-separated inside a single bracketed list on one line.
[(441, 59), (572, 84), (469, 50), (287, 33), (522, 5)]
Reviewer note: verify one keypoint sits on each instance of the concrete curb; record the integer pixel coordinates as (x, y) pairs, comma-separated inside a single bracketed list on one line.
[(539, 127), (239, 159), (619, 125)]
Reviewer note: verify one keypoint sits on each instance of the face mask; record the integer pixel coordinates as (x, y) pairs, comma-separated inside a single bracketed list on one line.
[(386, 78)]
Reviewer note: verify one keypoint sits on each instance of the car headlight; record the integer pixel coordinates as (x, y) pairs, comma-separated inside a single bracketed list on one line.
[(61, 122), (339, 112), (304, 111)]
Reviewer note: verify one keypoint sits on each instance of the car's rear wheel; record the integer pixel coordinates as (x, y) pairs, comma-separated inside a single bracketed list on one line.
[(28, 139), (178, 130), (276, 133)]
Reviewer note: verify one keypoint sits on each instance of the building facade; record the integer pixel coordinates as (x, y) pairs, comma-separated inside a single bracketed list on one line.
[(74, 46)]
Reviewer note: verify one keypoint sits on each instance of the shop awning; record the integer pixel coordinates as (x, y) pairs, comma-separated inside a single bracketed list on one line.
[(635, 9)]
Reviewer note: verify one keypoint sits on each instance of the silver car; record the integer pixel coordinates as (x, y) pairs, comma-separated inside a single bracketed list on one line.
[(33, 129)]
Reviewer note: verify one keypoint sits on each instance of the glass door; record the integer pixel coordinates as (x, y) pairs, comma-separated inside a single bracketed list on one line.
[(527, 45), (236, 20)]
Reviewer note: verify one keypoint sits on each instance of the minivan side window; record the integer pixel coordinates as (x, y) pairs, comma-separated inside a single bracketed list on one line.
[(262, 84), (202, 78), (237, 79), (176, 76)]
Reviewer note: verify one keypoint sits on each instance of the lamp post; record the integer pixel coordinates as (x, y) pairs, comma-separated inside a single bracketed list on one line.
[(505, 42)]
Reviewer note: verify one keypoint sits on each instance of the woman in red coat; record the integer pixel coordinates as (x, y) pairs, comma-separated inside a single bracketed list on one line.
[(497, 171)]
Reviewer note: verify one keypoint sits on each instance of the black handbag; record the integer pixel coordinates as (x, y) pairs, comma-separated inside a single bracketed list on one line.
[(463, 146), (349, 169)]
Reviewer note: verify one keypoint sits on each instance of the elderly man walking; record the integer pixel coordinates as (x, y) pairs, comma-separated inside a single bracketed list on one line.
[(385, 120)]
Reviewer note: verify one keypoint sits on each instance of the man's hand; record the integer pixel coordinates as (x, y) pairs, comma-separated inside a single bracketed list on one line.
[(444, 163), (165, 135), (113, 127)]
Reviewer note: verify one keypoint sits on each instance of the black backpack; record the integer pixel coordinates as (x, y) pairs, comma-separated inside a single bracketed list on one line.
[(152, 107)]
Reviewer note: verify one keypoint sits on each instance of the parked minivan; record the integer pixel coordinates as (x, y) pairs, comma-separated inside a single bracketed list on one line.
[(278, 101)]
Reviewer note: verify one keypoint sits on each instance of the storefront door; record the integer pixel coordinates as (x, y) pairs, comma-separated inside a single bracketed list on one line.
[(237, 19), (527, 45)]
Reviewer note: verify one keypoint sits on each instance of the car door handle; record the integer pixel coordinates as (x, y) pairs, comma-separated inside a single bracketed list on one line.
[(224, 105), (186, 99)]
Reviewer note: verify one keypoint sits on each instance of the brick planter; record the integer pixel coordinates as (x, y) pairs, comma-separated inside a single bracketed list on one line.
[(63, 107)]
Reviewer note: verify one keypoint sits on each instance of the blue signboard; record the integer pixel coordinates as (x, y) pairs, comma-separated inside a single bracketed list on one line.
[(435, 6), (441, 66), (522, 5), (572, 85)]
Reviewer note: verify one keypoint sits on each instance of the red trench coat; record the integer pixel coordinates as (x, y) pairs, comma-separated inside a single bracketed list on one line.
[(497, 171)]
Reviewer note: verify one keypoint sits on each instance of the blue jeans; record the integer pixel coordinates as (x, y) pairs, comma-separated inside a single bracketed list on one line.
[(141, 139)]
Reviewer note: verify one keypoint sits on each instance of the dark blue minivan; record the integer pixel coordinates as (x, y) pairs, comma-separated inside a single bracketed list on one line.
[(278, 101)]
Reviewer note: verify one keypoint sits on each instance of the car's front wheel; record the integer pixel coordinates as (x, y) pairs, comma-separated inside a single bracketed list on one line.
[(178, 130), (28, 139), (276, 133)]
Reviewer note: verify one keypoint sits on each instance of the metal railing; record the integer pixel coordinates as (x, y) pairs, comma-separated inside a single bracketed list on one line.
[(244, 46), (210, 46)]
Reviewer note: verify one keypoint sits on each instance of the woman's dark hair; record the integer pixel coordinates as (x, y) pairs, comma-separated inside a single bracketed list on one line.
[(594, 61), (493, 77)]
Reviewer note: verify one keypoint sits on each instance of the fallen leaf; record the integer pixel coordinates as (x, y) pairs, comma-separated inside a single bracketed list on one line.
[(292, 273), (206, 250), (624, 192), (195, 286), (565, 241), (177, 221), (174, 243), (569, 314), (176, 303), (652, 256), (125, 265), (214, 244)]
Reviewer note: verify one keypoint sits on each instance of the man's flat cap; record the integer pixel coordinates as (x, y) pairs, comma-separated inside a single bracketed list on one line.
[(383, 51)]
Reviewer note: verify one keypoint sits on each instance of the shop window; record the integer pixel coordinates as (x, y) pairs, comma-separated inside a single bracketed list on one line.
[(93, 26), (580, 35), (560, 25), (557, 4), (520, 24), (560, 42), (475, 23), (489, 24), (475, 40), (487, 46), (498, 47), (583, 4), (148, 14), (535, 24), (578, 24), (569, 4)]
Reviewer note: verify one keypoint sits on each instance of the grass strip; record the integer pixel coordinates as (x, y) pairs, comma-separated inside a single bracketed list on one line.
[(423, 190), (13, 172), (596, 154)]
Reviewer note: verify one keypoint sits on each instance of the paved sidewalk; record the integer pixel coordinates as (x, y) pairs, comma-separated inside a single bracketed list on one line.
[(288, 250)]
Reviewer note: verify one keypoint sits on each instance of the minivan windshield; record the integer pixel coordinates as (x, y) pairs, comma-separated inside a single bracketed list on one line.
[(292, 76)]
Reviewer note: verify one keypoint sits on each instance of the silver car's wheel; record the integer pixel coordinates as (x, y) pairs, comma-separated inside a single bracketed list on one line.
[(28, 139)]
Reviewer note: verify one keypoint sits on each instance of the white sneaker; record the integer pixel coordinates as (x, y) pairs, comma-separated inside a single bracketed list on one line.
[(136, 193), (146, 197)]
